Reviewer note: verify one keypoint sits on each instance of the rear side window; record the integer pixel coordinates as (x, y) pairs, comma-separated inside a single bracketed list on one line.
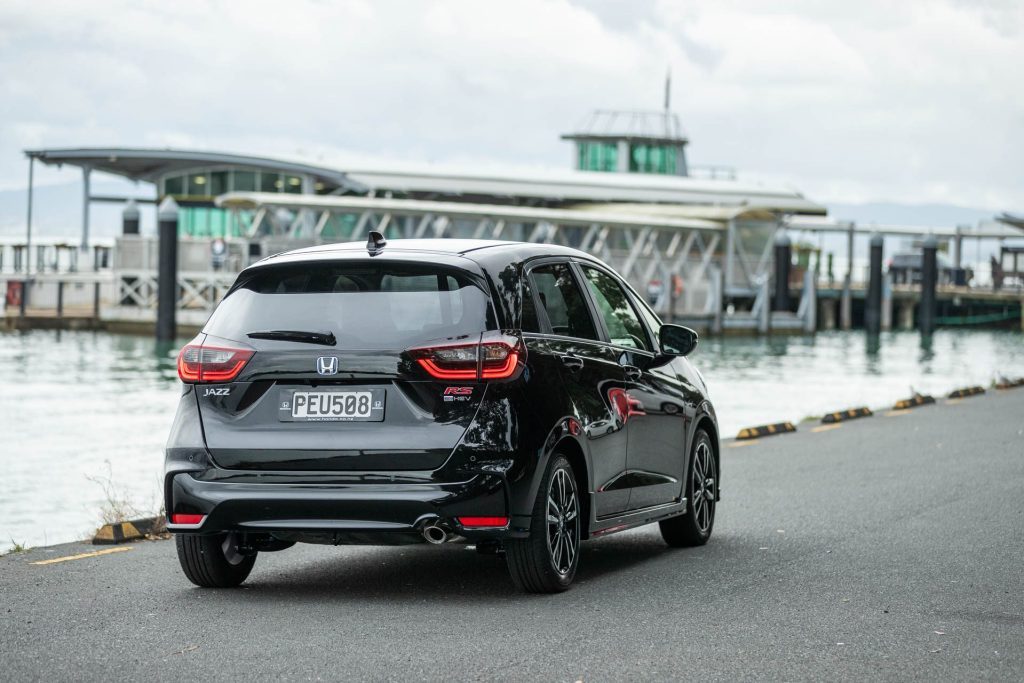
[(624, 327), (563, 301), (376, 305)]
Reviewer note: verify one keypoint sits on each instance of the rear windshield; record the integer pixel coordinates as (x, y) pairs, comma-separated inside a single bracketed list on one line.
[(366, 305)]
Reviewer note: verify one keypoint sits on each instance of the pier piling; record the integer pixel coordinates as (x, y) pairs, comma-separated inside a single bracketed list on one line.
[(873, 304), (130, 218), (929, 275), (167, 272)]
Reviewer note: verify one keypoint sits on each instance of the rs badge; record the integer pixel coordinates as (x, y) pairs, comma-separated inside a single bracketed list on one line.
[(457, 393)]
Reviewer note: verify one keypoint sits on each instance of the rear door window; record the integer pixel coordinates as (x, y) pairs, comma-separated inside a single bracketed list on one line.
[(562, 301), (376, 305)]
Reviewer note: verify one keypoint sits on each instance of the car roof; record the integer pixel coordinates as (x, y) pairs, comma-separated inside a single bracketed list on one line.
[(476, 250)]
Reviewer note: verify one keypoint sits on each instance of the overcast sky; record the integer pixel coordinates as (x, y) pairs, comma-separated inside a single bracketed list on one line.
[(911, 102)]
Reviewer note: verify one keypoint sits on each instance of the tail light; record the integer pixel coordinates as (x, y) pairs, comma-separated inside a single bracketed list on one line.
[(493, 357), (198, 363)]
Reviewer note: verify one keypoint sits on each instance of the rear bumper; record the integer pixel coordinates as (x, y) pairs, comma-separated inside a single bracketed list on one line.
[(372, 509)]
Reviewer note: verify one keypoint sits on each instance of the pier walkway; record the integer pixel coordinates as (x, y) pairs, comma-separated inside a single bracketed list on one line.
[(889, 547)]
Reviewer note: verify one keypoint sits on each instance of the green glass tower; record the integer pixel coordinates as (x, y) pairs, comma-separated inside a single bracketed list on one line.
[(631, 142)]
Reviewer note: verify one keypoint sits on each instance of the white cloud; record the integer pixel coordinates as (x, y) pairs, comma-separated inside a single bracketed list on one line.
[(912, 102)]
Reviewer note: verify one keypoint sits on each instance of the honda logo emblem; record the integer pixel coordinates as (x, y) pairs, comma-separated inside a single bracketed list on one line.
[(327, 365)]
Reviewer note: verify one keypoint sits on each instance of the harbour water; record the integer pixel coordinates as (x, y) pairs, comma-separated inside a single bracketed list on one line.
[(85, 411)]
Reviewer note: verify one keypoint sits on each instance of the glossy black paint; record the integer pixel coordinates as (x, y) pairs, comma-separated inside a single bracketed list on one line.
[(624, 417)]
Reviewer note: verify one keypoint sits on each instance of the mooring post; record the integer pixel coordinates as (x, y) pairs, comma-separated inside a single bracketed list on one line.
[(718, 287), (783, 257), (167, 271), (764, 317), (60, 300), (873, 305), (929, 275), (846, 299), (887, 302), (96, 302), (130, 218)]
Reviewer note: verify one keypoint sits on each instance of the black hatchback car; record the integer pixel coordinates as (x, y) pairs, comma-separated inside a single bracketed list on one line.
[(519, 397)]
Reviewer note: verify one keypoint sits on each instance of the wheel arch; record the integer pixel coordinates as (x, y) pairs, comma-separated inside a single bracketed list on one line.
[(706, 423), (573, 452)]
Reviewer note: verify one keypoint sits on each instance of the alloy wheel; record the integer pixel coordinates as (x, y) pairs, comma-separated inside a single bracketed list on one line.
[(563, 521), (703, 487)]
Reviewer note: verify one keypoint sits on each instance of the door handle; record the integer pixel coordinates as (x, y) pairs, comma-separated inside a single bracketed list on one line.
[(633, 372), (571, 361)]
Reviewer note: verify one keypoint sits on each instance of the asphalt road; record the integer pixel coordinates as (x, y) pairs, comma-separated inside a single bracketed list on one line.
[(888, 548)]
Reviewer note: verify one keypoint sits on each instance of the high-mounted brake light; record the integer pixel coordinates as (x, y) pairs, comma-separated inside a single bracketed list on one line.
[(490, 358), (199, 364)]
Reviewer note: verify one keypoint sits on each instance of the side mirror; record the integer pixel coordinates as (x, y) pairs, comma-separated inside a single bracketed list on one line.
[(677, 340)]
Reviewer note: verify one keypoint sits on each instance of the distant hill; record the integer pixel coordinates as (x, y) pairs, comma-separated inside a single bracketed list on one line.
[(938, 215), (57, 210)]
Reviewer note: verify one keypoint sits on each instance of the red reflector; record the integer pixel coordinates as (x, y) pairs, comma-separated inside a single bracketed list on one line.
[(187, 519), (199, 363), (482, 522)]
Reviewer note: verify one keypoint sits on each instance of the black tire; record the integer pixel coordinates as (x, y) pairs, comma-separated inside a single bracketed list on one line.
[(546, 562), (211, 561), (694, 527)]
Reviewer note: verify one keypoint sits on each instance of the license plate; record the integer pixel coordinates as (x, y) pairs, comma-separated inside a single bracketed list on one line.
[(361, 405)]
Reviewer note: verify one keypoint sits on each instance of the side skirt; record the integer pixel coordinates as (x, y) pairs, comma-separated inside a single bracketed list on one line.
[(611, 525)]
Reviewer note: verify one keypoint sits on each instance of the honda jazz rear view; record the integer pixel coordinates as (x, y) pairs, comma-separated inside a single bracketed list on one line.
[(520, 398)]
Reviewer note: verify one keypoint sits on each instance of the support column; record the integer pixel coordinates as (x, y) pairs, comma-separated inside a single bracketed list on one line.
[(958, 247), (906, 315), (167, 273), (783, 261), (622, 157), (764, 318), (718, 280), (28, 224), (873, 303), (86, 201), (929, 275), (730, 248), (828, 314)]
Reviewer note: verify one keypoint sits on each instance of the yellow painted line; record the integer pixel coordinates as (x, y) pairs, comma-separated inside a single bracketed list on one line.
[(825, 428), (741, 444), (85, 556), (896, 413)]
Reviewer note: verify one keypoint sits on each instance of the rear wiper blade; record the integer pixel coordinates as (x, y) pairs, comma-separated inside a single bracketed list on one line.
[(325, 338)]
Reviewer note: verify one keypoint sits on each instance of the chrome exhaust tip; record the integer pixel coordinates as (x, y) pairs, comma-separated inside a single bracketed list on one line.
[(436, 534)]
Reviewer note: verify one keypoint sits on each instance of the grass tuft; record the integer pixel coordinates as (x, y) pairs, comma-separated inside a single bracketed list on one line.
[(17, 548), (117, 505)]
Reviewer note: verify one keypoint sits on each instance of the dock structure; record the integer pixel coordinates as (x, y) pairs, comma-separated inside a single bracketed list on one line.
[(698, 247)]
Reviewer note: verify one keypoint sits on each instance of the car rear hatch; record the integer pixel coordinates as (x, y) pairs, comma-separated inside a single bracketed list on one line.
[(355, 364)]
